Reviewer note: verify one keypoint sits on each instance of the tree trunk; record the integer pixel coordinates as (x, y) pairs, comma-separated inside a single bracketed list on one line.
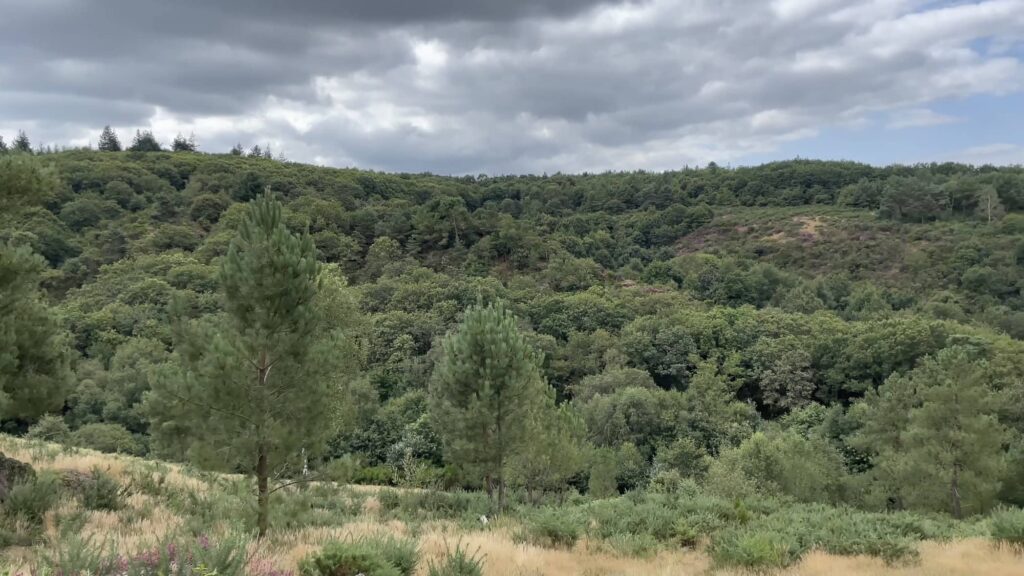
[(954, 492), (262, 491)]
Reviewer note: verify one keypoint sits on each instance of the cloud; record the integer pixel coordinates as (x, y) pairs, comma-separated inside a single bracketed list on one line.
[(919, 117), (460, 86), (999, 154)]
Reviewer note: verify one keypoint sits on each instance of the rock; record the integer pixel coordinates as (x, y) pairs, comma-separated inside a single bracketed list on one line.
[(13, 472)]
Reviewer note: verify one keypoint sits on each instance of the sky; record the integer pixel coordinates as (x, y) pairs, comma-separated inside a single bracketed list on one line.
[(525, 86)]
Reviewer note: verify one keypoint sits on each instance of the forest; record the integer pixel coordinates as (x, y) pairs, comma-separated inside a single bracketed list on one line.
[(754, 362)]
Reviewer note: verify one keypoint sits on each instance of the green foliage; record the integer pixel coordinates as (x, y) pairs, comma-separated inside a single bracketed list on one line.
[(106, 438), (485, 390), (457, 561), (50, 428), (554, 528), (935, 435), (1007, 527), (347, 559), (34, 356), (33, 498), (99, 491), (243, 378)]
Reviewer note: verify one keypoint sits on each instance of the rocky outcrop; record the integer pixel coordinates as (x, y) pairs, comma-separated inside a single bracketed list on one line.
[(13, 472)]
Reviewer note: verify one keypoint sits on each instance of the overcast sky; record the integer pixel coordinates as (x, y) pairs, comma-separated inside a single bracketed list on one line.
[(501, 86)]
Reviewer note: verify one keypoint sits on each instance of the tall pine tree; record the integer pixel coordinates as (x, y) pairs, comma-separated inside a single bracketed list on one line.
[(485, 392), (934, 435), (35, 373), (144, 142), (21, 143), (257, 388), (109, 141)]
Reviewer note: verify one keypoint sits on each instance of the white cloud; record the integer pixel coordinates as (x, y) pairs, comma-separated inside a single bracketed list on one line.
[(999, 154), (918, 117)]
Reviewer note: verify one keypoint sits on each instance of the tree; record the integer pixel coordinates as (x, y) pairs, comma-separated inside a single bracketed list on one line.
[(144, 142), (257, 387), (485, 389), (21, 143), (35, 372), (237, 150), (3, 145), (954, 443), (934, 437), (555, 455), (989, 206), (181, 144), (109, 141)]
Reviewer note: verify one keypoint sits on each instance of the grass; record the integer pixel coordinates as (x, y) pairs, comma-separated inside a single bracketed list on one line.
[(158, 504)]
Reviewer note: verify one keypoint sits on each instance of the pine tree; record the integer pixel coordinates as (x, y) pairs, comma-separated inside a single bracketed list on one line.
[(258, 387), (256, 151), (21, 143), (35, 373), (3, 145), (485, 390), (181, 144), (109, 142), (954, 443), (934, 436), (237, 150), (144, 142)]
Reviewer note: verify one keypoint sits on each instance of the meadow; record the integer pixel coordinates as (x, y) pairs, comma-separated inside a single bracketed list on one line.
[(122, 514)]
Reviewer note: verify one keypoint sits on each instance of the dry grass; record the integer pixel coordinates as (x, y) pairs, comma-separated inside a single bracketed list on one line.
[(129, 530)]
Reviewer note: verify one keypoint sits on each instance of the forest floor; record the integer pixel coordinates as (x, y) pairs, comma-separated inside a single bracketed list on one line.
[(150, 514)]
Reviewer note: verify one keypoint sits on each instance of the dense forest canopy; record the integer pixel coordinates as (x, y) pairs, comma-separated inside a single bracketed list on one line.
[(746, 328)]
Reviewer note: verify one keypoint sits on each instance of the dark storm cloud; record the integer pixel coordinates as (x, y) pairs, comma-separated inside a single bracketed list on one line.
[(466, 86)]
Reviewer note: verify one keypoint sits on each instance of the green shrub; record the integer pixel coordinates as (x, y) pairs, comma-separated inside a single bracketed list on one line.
[(99, 491), (403, 553), (50, 428), (32, 499), (337, 559), (758, 551), (554, 527), (106, 438), (1007, 527), (457, 561)]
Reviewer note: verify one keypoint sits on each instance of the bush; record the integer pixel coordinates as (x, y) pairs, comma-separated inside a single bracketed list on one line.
[(457, 561), (758, 551), (50, 428), (32, 499), (403, 553), (554, 528), (199, 557), (1007, 528), (346, 559), (99, 491), (106, 438)]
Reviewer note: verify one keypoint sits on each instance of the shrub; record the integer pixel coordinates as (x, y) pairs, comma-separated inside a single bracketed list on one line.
[(1007, 528), (340, 559), (50, 428), (555, 528), (403, 553), (32, 499), (457, 561), (99, 491), (755, 550), (106, 438), (198, 557)]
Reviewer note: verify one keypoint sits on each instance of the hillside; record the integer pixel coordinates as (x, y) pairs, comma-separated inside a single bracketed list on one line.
[(696, 360)]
